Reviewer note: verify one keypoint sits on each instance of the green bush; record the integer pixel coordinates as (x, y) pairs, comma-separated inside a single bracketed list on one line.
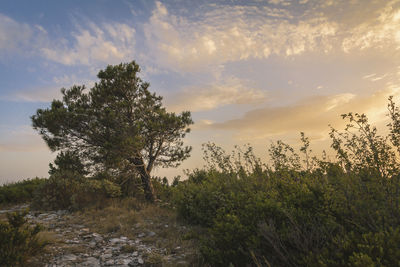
[(324, 218), (241, 212), (162, 189), (19, 192), (298, 212), (69, 190), (18, 241)]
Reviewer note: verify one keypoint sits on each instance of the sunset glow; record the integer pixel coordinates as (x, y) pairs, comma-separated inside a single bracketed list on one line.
[(249, 71)]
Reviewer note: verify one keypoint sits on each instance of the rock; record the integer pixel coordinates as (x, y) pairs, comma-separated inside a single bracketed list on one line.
[(98, 238), (69, 257), (74, 241), (109, 262), (50, 217), (141, 235), (106, 256), (140, 260), (61, 212), (135, 254), (151, 234), (123, 261), (96, 253), (91, 261), (107, 251), (115, 241)]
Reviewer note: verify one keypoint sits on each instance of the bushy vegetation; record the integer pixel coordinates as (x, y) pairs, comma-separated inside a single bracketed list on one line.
[(300, 210), (18, 241), (69, 190), (19, 192)]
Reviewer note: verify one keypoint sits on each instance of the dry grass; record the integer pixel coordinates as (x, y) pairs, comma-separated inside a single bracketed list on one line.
[(155, 259), (3, 217), (76, 249), (48, 237)]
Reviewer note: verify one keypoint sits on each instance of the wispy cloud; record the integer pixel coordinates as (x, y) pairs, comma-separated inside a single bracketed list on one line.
[(19, 37), (378, 32), (226, 92), (89, 44), (179, 43), (311, 115), (109, 43)]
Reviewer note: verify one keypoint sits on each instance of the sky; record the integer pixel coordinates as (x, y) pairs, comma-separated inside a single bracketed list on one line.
[(249, 71)]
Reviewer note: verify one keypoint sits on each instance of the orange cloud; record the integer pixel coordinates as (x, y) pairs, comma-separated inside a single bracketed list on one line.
[(311, 115)]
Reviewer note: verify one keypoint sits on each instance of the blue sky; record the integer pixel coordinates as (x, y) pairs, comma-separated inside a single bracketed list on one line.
[(250, 71)]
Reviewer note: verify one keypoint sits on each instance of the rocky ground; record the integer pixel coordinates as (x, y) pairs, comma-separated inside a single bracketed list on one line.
[(74, 244)]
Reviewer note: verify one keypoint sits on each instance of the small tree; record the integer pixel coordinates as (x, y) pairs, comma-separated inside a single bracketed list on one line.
[(117, 125)]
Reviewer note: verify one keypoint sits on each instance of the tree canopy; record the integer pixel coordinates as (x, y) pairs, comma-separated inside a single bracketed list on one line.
[(117, 125)]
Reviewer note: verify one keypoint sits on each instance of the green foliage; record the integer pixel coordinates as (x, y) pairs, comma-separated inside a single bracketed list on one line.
[(67, 161), (253, 213), (117, 126), (301, 211), (19, 192), (360, 148), (69, 190), (18, 241), (162, 188)]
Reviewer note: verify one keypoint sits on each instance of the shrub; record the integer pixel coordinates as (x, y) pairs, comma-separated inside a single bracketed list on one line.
[(298, 212), (19, 192), (254, 214), (69, 190), (162, 188), (18, 241), (294, 219)]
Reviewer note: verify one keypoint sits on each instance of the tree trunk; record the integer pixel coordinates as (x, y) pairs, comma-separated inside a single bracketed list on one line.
[(145, 177), (147, 185)]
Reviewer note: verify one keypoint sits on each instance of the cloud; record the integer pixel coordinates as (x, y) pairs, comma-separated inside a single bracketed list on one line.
[(378, 32), (16, 36), (89, 44), (109, 43), (279, 2), (226, 92), (257, 32), (210, 36), (311, 115)]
